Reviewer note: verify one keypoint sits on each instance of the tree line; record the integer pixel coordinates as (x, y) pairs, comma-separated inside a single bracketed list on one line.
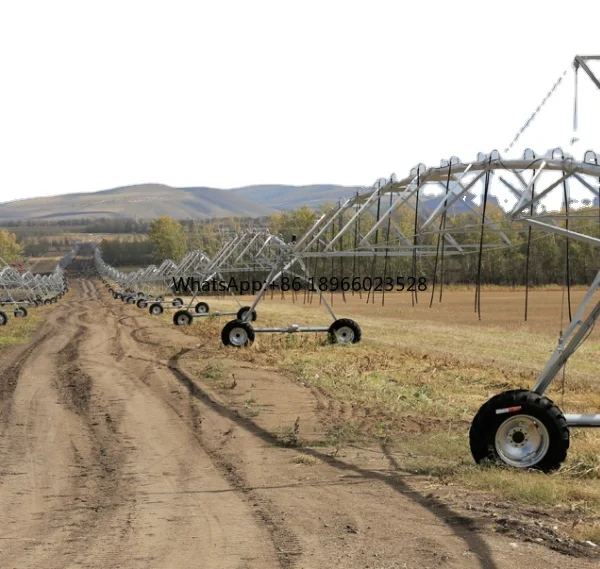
[(545, 257)]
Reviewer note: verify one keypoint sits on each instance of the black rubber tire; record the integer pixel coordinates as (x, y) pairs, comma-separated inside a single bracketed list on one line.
[(130, 300), (177, 302), (20, 312), (3, 319), (142, 303), (155, 309), (118, 296), (243, 310), (54, 300), (486, 423), (47, 301), (353, 337), (228, 335), (182, 318), (201, 308)]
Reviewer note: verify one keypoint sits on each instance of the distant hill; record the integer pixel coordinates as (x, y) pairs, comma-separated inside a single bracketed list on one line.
[(143, 201), (147, 201), (292, 197)]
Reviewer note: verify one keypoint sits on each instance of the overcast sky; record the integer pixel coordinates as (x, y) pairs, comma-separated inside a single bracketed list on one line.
[(95, 95)]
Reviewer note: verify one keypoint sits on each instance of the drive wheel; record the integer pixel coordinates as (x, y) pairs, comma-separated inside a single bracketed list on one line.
[(142, 303), (3, 319), (182, 318), (177, 302), (237, 333), (243, 311), (344, 331), (20, 312), (201, 308), (155, 309), (521, 429)]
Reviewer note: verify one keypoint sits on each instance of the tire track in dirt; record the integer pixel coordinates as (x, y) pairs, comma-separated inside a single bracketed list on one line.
[(119, 380), (10, 377), (106, 508), (286, 542), (105, 463), (281, 536), (188, 480), (44, 449), (13, 361), (463, 528)]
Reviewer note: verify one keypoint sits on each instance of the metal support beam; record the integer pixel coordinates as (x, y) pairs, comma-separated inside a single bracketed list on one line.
[(560, 231), (574, 334)]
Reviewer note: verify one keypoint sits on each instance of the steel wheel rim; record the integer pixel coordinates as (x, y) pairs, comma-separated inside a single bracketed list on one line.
[(156, 310), (201, 310), (182, 320), (344, 335), (238, 336), (522, 441)]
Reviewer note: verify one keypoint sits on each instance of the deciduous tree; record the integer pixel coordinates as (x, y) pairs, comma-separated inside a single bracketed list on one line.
[(169, 239), (10, 250)]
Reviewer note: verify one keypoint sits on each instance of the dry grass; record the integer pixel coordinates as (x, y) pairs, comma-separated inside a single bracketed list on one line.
[(418, 377), (20, 330)]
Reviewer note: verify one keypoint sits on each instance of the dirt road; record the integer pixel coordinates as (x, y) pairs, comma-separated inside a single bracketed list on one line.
[(113, 455)]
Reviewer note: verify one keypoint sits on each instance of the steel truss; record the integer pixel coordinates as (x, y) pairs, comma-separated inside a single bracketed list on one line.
[(22, 289), (196, 266), (521, 428), (525, 433), (252, 255), (272, 257), (247, 255)]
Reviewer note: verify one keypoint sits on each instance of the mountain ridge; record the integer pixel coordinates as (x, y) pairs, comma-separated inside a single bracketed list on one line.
[(150, 200)]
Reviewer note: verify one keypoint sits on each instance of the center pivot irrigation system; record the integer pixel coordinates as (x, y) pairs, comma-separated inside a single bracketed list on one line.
[(20, 290), (254, 257), (521, 428)]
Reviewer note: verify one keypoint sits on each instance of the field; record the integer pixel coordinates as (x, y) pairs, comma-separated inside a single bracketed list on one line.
[(129, 442), (420, 374)]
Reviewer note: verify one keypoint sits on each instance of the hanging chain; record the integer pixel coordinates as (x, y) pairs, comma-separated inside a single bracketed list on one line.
[(535, 113)]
